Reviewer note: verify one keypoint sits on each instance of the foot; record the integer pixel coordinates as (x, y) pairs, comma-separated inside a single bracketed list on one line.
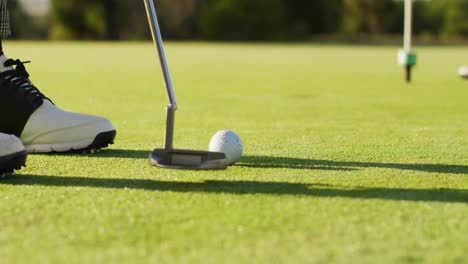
[(42, 126), (12, 154)]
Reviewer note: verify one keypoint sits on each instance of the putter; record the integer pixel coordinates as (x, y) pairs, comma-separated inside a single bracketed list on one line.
[(168, 157)]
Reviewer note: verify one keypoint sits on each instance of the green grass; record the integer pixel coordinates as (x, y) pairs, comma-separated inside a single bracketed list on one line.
[(343, 162)]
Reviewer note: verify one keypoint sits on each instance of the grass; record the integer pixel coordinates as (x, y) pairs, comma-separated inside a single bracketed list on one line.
[(343, 162)]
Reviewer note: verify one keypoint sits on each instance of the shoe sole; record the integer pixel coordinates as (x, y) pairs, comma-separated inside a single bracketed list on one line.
[(12, 162), (102, 140)]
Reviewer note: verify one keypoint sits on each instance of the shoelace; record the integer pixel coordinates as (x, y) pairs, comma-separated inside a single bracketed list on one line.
[(19, 78)]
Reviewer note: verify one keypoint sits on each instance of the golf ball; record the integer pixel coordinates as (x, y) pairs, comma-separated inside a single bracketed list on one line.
[(229, 143), (463, 71)]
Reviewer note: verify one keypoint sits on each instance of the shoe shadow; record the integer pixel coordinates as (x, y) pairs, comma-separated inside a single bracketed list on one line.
[(246, 188), (271, 162), (104, 153)]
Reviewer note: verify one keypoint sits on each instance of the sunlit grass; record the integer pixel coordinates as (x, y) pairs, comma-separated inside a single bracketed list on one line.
[(344, 162)]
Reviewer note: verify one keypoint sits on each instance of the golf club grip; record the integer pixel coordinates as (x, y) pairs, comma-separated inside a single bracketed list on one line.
[(158, 42)]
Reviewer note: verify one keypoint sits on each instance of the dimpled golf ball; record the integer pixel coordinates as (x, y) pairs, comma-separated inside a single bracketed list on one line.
[(229, 143)]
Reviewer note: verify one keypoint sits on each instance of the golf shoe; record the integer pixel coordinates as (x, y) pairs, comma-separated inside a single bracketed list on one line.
[(12, 154), (40, 124)]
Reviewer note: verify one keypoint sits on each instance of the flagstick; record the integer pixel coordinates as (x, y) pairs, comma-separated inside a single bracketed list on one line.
[(408, 25), (407, 34)]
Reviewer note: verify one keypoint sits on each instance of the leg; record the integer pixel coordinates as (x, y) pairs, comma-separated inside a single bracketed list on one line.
[(5, 31), (12, 152)]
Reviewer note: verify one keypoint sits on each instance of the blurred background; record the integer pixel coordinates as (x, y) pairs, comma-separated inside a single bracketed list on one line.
[(436, 21)]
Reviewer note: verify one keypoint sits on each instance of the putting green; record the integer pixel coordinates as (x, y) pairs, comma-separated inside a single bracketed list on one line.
[(344, 162)]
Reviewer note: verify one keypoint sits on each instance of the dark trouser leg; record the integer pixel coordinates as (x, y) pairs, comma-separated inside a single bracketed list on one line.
[(4, 21)]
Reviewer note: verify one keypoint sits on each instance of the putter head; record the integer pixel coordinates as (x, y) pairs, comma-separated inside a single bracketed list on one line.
[(188, 159)]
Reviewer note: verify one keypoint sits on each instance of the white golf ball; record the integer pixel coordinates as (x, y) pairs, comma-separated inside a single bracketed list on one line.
[(463, 71), (229, 143)]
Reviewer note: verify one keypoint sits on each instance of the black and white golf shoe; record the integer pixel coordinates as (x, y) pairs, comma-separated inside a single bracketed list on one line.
[(12, 154), (42, 126)]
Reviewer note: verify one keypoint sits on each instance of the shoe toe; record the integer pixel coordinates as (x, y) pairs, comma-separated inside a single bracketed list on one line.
[(10, 144), (50, 125)]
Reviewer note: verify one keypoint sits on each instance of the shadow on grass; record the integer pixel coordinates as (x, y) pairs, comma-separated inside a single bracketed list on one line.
[(108, 153), (298, 163), (247, 188)]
